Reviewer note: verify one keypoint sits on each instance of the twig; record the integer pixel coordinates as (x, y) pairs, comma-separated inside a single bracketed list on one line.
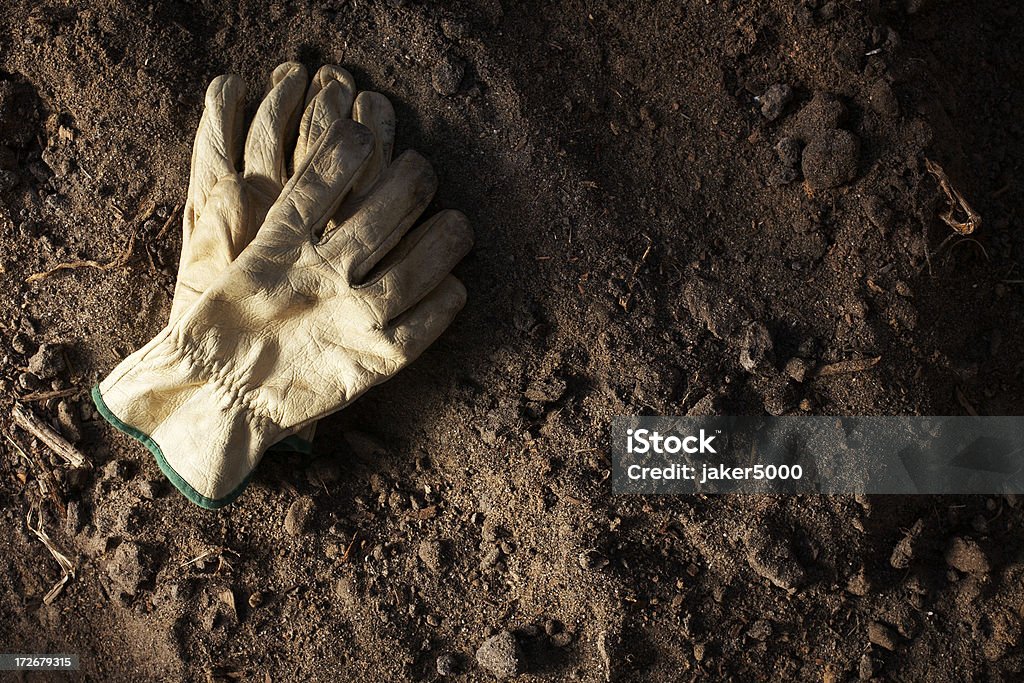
[(118, 262), (956, 201), (66, 565), (47, 395), (847, 366), (167, 223), (25, 419)]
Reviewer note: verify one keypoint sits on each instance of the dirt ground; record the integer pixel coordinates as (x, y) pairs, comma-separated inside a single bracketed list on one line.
[(648, 185)]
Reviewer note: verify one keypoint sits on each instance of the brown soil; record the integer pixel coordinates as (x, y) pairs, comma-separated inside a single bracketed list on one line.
[(645, 203)]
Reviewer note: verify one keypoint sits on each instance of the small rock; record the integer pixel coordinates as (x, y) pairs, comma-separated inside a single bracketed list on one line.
[(881, 635), (429, 553), (115, 470), (48, 361), (755, 347), (772, 559), (501, 655), (447, 665), (300, 513), (903, 552), (29, 381), (883, 99), (830, 159), (149, 488), (774, 100), (796, 369), (859, 585), (21, 343), (788, 150), (965, 555), (552, 626), (711, 305), (446, 76)]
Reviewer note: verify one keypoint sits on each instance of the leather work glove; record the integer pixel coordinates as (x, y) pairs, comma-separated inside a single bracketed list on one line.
[(226, 205), (295, 327)]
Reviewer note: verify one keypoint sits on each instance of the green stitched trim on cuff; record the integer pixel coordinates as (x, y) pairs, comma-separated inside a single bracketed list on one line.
[(292, 444), (183, 486)]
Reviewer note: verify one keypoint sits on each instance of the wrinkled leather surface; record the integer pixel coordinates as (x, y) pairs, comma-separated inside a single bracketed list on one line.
[(292, 327), (228, 200)]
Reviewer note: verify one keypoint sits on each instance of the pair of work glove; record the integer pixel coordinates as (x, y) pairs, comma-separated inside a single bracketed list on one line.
[(302, 282)]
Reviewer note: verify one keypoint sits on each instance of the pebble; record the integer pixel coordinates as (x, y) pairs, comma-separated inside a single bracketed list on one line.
[(903, 552), (881, 635), (774, 100), (446, 76), (859, 585), (965, 555), (501, 655), (29, 381), (772, 559), (447, 665), (883, 99), (796, 369), (300, 513), (788, 151), (830, 159), (21, 344), (429, 553), (48, 361)]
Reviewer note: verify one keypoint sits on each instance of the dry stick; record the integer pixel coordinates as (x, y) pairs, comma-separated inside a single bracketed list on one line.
[(66, 565), (25, 419), (47, 395), (956, 202), (167, 223)]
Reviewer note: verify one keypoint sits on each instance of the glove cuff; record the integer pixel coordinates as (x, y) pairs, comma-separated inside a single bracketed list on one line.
[(206, 431)]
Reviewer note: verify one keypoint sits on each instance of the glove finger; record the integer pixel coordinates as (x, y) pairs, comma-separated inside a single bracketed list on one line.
[(376, 224), (421, 325), (418, 264), (374, 111), (273, 128), (319, 184), (217, 142), (329, 99)]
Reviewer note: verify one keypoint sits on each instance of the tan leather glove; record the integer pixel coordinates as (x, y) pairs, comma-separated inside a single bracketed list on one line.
[(294, 328), (227, 201)]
